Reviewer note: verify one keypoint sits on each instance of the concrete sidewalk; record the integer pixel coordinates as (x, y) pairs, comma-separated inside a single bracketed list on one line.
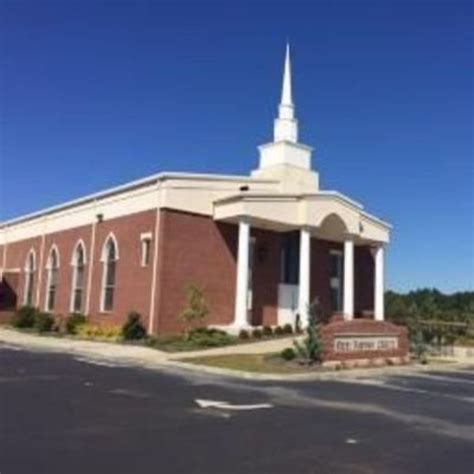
[(113, 353)]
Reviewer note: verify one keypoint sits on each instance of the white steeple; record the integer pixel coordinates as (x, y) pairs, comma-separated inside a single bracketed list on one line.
[(285, 159), (286, 126)]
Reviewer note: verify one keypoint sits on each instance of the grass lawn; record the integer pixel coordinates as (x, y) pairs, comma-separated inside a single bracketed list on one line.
[(260, 363)]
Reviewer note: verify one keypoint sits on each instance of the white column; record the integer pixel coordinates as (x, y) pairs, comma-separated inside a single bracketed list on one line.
[(379, 283), (348, 305), (304, 276), (242, 280)]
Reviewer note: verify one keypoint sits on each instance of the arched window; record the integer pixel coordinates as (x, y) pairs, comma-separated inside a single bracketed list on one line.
[(52, 268), (109, 260), (79, 265), (29, 278)]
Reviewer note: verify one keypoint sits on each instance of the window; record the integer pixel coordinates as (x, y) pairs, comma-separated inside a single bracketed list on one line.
[(290, 259), (29, 279), (52, 281), (335, 279), (79, 265), (145, 250), (109, 259)]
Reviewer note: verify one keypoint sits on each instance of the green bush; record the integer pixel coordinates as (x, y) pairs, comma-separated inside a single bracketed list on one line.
[(244, 334), (267, 331), (207, 337), (288, 329), (257, 333), (74, 320), (133, 330), (43, 322), (278, 331), (288, 354), (24, 317)]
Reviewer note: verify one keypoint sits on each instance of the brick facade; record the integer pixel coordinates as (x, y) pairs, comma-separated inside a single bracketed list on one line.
[(191, 249)]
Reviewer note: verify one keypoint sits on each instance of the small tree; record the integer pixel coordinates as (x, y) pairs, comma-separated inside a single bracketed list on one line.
[(196, 307), (311, 348), (417, 336)]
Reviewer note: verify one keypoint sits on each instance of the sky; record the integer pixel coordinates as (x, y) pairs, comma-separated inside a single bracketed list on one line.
[(97, 93)]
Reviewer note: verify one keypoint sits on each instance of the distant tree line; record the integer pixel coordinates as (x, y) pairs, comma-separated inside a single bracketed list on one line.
[(433, 317), (430, 304)]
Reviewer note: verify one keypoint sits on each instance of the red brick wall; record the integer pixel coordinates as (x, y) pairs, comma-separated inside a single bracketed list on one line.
[(133, 282), (195, 249), (266, 277), (192, 249)]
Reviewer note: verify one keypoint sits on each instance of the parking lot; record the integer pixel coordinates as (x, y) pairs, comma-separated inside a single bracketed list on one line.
[(66, 414)]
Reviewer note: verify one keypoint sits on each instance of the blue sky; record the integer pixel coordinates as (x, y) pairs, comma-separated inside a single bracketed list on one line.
[(94, 94)]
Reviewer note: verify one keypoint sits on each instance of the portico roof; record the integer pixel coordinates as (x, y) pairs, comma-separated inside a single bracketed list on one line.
[(328, 214)]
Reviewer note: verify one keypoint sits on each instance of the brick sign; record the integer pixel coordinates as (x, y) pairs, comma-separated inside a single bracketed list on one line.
[(365, 343)]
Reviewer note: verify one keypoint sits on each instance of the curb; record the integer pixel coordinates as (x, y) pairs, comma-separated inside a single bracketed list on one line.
[(165, 360)]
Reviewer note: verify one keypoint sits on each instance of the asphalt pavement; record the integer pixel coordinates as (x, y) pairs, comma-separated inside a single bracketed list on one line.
[(66, 414)]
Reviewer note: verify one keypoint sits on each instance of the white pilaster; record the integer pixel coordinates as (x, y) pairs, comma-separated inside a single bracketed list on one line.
[(242, 280), (304, 276), (379, 284), (348, 304)]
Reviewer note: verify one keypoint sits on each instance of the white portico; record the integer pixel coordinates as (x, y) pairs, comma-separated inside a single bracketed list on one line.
[(298, 205)]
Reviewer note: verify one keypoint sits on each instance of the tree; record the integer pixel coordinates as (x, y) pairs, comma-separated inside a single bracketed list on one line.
[(196, 307), (311, 348)]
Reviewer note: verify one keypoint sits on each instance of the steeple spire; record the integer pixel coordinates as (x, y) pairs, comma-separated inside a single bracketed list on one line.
[(286, 127), (286, 98)]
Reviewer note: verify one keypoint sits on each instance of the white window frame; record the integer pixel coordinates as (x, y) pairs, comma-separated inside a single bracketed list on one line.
[(29, 275), (74, 264), (49, 268), (104, 261), (145, 248)]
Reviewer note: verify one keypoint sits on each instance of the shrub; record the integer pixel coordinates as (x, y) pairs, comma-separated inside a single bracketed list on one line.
[(74, 320), (310, 349), (278, 331), (288, 354), (43, 322), (288, 329), (204, 337), (257, 333), (93, 331), (133, 330), (267, 331), (196, 307), (24, 317), (244, 334)]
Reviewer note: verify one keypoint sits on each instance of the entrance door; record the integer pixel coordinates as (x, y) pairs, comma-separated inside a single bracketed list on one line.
[(335, 279)]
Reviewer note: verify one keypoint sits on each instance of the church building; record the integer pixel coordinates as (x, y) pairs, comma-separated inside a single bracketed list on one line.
[(261, 247)]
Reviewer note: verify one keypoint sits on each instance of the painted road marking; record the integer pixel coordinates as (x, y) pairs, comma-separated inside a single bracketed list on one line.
[(228, 406)]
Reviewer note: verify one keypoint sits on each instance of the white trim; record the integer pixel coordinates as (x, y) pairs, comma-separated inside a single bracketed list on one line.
[(104, 261), (28, 275), (40, 267), (31, 251), (348, 289), (53, 248), (49, 267), (103, 255), (146, 235), (90, 269), (79, 245), (154, 276), (130, 186)]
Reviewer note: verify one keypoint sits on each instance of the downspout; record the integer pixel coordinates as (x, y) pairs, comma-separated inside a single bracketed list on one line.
[(154, 276), (40, 266), (91, 259)]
